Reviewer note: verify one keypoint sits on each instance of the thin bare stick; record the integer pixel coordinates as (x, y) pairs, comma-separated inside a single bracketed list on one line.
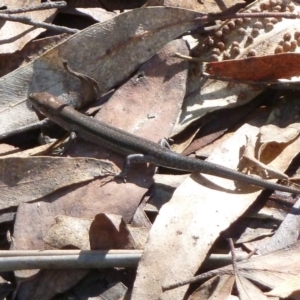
[(221, 16), (279, 82), (43, 6), (59, 259), (234, 260), (209, 274), (11, 253), (28, 21), (84, 260), (197, 278), (189, 58)]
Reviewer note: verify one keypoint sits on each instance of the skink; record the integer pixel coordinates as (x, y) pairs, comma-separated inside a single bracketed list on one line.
[(136, 149)]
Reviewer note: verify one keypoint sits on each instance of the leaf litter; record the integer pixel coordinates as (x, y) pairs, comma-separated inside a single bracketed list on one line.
[(147, 104), (104, 61)]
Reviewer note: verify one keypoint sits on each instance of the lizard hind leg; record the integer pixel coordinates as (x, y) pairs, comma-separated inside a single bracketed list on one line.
[(132, 159)]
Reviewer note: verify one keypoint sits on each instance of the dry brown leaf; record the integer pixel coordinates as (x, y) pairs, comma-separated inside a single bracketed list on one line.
[(139, 235), (162, 190), (253, 34), (216, 288), (247, 290), (203, 6), (33, 49), (120, 4), (286, 234), (96, 13), (101, 285), (74, 232), (272, 269), (19, 176), (113, 197), (271, 148), (256, 161), (212, 127), (69, 232), (110, 232), (107, 52), (197, 211), (48, 283), (288, 289), (189, 223), (272, 133), (271, 68), (15, 35), (280, 152), (154, 96), (8, 149), (264, 171), (33, 220), (237, 39)]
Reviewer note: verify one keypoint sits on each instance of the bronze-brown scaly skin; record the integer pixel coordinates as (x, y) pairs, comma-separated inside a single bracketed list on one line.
[(136, 149)]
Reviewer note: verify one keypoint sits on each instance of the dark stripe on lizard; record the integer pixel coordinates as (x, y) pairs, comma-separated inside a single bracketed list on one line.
[(136, 149)]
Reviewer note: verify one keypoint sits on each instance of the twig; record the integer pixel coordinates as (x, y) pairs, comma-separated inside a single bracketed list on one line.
[(59, 259), (234, 259), (43, 6), (208, 274), (222, 16), (189, 58), (28, 21), (65, 259), (197, 278), (280, 81), (37, 253)]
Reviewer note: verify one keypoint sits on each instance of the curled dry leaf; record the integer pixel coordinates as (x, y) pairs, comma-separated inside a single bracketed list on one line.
[(260, 69), (236, 39), (69, 232), (276, 151), (272, 133), (250, 162), (107, 52), (110, 232)]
